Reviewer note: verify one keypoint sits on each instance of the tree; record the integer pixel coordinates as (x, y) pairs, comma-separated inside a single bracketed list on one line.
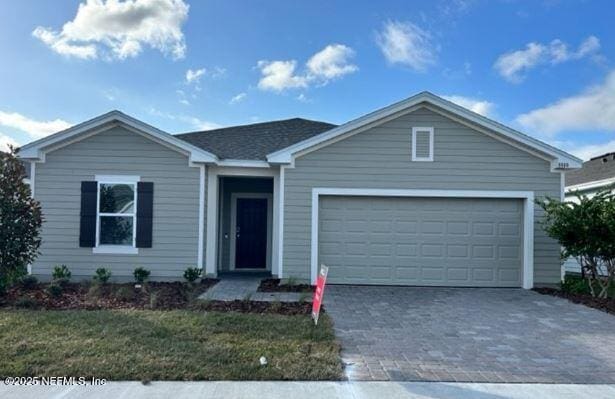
[(586, 231), (20, 220)]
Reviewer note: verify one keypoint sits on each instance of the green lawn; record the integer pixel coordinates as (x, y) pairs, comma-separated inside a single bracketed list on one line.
[(166, 345)]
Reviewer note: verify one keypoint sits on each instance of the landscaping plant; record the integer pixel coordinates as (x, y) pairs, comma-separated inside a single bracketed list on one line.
[(102, 275), (28, 282), (192, 274), (61, 272), (586, 231), (141, 275), (20, 220)]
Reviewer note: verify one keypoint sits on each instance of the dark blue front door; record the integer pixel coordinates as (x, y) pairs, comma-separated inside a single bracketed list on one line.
[(251, 233)]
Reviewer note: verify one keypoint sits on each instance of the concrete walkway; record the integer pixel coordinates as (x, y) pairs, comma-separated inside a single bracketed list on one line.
[(310, 390), (244, 288)]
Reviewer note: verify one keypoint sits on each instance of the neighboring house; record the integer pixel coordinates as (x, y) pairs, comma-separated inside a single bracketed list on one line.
[(422, 192), (596, 174)]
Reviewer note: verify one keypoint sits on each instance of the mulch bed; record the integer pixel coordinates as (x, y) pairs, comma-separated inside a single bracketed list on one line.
[(283, 308), (606, 305), (153, 295), (273, 285)]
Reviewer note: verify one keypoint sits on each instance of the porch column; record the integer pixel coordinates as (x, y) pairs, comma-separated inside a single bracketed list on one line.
[(212, 222)]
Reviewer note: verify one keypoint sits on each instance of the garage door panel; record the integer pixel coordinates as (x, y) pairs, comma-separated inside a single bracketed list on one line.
[(421, 241)]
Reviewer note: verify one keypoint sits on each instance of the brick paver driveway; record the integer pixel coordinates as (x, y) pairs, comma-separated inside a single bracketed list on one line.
[(467, 334)]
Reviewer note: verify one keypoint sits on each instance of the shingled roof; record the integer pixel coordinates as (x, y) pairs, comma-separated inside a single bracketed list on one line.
[(597, 168), (255, 141)]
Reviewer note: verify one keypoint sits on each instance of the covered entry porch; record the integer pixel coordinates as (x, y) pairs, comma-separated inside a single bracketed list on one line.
[(242, 222)]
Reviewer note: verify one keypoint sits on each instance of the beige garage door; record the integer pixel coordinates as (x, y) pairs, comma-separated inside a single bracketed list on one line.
[(421, 241)]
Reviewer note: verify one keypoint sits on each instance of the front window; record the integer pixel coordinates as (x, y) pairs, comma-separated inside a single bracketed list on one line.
[(117, 213)]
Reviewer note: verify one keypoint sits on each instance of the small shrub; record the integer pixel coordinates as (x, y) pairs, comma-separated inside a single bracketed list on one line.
[(141, 275), (28, 282), (54, 290), (94, 292), (291, 281), (62, 282), (102, 275), (124, 293), (192, 274), (26, 303), (61, 272)]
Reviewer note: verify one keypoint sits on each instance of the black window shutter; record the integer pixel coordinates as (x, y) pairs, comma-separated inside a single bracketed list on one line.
[(87, 225), (145, 214)]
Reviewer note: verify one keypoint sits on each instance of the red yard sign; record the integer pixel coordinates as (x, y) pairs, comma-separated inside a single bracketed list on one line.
[(320, 290)]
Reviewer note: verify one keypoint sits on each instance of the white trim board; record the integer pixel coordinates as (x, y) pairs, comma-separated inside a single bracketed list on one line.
[(528, 217), (558, 158), (415, 131), (596, 184), (233, 230)]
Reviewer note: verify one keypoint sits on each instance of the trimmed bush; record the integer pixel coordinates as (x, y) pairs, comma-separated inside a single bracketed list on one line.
[(102, 275), (20, 220), (141, 275), (27, 282), (192, 274), (61, 272)]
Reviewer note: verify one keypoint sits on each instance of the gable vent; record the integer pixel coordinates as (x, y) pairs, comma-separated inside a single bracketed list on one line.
[(422, 144)]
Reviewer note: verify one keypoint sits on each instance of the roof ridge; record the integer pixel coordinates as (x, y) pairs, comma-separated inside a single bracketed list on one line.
[(248, 125)]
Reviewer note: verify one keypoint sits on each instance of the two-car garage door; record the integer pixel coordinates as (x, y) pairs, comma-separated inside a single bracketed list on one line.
[(421, 241)]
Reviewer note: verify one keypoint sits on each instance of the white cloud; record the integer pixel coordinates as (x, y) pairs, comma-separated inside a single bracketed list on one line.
[(593, 109), (238, 98), (406, 44), (120, 29), (5, 141), (513, 65), (330, 63), (36, 129), (481, 107), (194, 75), (194, 122), (199, 124), (589, 151), (279, 75), (303, 98)]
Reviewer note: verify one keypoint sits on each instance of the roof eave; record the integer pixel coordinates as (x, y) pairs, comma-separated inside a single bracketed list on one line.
[(36, 150)]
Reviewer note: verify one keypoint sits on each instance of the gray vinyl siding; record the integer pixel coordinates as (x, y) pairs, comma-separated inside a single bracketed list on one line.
[(379, 158), (118, 152)]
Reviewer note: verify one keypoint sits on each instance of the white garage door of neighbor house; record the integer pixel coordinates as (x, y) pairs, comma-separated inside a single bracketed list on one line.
[(466, 242)]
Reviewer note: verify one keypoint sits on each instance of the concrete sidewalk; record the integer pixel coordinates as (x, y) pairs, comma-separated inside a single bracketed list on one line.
[(310, 390)]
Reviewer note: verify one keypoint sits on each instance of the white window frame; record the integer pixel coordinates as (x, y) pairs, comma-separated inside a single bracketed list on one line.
[(415, 130), (116, 249)]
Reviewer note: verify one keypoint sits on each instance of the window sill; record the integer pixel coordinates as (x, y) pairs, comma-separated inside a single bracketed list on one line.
[(115, 249)]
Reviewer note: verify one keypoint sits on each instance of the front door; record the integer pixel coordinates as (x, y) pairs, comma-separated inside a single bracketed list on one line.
[(251, 233)]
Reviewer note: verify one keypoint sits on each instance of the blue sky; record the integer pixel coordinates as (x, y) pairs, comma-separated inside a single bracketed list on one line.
[(546, 68)]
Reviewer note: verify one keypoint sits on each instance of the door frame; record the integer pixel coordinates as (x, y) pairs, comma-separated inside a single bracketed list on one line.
[(528, 216), (232, 247)]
